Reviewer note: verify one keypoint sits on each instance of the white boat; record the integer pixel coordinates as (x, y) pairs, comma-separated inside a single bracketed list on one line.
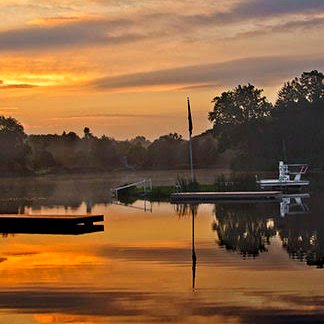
[(289, 176)]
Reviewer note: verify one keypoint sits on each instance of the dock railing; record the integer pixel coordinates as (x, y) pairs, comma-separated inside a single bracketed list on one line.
[(296, 170), (146, 183)]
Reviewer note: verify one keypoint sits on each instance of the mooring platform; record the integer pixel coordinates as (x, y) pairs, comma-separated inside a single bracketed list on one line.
[(211, 197), (275, 183)]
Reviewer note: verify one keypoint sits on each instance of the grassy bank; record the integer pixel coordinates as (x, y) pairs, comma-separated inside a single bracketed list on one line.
[(232, 182)]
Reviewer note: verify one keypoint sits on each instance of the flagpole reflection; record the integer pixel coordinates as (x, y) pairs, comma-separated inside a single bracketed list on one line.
[(193, 250)]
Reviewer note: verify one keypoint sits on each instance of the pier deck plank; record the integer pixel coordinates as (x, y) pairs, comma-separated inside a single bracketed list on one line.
[(220, 196)]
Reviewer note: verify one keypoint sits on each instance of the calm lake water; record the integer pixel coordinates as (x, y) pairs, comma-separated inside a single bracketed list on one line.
[(256, 262)]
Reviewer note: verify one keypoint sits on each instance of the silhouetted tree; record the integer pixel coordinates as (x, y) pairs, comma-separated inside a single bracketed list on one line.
[(13, 147), (169, 151), (141, 140), (240, 105), (136, 155), (308, 89), (87, 133)]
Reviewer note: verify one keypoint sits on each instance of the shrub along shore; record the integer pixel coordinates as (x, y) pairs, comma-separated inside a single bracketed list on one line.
[(232, 182)]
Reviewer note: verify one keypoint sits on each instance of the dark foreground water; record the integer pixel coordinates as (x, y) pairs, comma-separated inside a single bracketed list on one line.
[(256, 262)]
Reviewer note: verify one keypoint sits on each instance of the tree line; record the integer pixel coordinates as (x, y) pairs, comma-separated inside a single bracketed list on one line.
[(249, 132), (69, 153), (261, 133)]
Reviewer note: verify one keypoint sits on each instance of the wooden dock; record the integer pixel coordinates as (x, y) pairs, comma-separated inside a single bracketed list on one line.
[(212, 197)]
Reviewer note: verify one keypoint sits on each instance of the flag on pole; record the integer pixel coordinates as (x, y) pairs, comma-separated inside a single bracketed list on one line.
[(189, 118)]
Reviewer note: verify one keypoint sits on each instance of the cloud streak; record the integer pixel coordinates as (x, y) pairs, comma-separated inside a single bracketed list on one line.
[(62, 32), (263, 70), (291, 26), (68, 34), (102, 116), (266, 8), (16, 86), (254, 10)]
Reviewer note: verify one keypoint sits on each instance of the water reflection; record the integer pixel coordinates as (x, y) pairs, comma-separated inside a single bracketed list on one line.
[(248, 228), (16, 228), (243, 228), (17, 194), (145, 266), (303, 236), (294, 204), (145, 205), (193, 248)]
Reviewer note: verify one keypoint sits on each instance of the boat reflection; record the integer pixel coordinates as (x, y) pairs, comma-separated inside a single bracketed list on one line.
[(293, 205), (303, 236)]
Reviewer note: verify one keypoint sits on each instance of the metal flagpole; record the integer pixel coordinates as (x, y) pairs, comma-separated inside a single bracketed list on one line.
[(190, 141)]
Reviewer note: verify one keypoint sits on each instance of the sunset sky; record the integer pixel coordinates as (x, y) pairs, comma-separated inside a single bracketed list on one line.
[(125, 67)]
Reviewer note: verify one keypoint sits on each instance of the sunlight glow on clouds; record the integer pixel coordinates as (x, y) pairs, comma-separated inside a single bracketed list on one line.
[(84, 58)]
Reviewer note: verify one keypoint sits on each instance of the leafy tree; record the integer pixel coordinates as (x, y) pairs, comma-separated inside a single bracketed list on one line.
[(87, 133), (205, 150), (169, 151), (140, 140), (136, 155), (44, 160), (71, 137), (105, 153), (308, 89), (239, 106), (13, 147)]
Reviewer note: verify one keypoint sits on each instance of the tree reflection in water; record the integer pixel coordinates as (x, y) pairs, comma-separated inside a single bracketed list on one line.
[(185, 210), (243, 228), (303, 235), (247, 229), (303, 245)]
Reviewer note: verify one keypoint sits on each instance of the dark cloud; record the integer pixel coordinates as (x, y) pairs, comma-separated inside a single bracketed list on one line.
[(87, 116), (198, 87), (87, 32), (68, 34), (15, 86), (291, 26), (258, 9), (260, 70), (266, 8)]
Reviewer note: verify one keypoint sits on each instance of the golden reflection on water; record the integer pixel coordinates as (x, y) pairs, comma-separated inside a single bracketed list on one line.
[(139, 269)]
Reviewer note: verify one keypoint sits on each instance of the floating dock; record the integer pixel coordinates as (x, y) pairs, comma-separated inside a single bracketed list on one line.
[(212, 197)]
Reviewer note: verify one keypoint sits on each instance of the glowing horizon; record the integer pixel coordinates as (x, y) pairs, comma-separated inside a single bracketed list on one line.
[(125, 69)]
